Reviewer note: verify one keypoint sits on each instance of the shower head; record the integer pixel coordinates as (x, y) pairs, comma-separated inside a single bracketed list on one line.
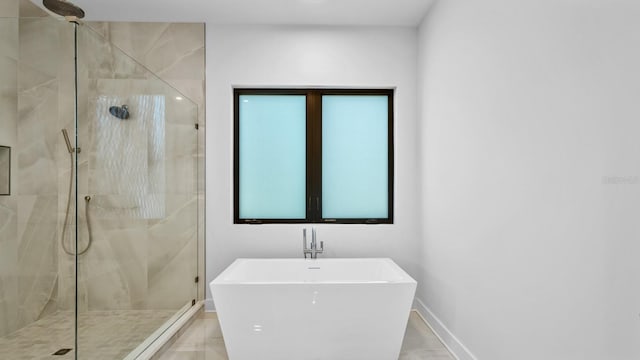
[(64, 8), (121, 112)]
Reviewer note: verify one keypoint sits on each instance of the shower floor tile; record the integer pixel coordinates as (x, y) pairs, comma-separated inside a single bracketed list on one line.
[(103, 335), (202, 340)]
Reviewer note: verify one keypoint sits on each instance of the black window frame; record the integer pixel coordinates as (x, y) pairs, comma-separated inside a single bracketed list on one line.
[(313, 155)]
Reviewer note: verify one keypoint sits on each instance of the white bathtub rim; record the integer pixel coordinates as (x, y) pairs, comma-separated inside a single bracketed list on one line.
[(221, 279)]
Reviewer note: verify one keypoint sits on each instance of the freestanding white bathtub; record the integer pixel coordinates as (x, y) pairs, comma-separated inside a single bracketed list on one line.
[(322, 309)]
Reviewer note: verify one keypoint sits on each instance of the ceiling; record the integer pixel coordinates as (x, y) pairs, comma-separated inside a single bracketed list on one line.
[(299, 12)]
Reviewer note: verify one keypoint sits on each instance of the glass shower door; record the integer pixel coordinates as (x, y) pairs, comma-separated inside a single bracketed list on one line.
[(137, 202)]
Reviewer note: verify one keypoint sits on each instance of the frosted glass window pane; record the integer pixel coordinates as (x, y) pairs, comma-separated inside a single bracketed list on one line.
[(354, 157), (272, 156)]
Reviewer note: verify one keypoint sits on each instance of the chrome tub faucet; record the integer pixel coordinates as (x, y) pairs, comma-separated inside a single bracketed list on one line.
[(313, 251)]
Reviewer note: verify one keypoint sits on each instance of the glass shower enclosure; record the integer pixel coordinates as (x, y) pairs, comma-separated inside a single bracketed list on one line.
[(99, 232)]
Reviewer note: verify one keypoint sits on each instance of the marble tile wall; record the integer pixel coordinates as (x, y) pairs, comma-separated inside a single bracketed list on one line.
[(174, 51), (8, 266), (5, 170), (28, 217), (37, 175), (146, 237), (9, 9), (8, 134), (142, 208)]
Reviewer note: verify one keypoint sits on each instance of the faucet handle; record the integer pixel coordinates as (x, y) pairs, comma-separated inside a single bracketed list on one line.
[(304, 239), (321, 245), (305, 249)]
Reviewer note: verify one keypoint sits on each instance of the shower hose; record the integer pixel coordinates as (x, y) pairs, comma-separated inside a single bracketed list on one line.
[(66, 216)]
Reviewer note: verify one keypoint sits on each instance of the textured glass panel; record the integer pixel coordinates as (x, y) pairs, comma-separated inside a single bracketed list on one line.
[(272, 156), (354, 156), (129, 164)]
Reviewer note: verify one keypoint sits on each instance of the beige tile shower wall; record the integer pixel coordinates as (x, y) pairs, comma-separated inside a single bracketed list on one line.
[(174, 52), (8, 134), (37, 173), (9, 9), (28, 113), (142, 200)]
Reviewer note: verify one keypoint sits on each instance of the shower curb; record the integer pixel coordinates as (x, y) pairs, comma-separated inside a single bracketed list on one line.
[(155, 350)]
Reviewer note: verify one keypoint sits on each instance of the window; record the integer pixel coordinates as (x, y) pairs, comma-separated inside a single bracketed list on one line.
[(313, 156)]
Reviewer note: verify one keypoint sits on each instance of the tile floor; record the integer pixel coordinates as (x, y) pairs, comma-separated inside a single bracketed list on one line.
[(103, 335), (202, 340)]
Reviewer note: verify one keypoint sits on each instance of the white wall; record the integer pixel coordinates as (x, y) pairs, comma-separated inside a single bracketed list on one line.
[(290, 56), (529, 108)]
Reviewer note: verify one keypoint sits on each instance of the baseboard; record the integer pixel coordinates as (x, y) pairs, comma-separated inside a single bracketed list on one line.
[(209, 306), (450, 341)]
